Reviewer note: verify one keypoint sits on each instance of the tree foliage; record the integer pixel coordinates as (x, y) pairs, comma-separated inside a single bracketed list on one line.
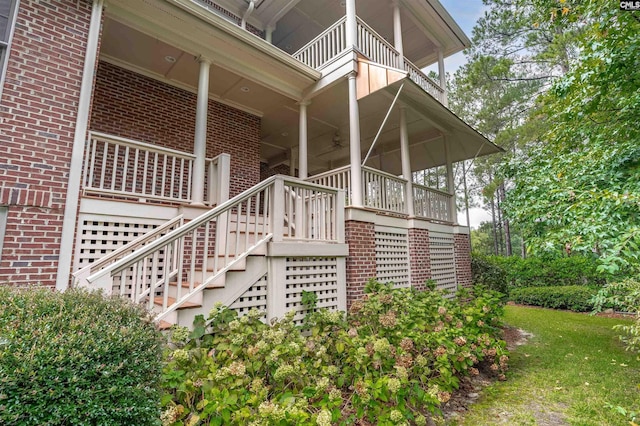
[(579, 188)]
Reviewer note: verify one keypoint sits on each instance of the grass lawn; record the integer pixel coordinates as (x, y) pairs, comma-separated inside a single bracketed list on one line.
[(566, 374)]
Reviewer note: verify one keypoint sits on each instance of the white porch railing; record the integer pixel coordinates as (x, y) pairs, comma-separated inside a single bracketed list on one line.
[(383, 191), (337, 178), (326, 46), (386, 192), (170, 270), (331, 42), (431, 203), (131, 169), (375, 47), (422, 80)]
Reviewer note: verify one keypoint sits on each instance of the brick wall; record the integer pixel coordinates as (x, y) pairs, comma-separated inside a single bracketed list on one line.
[(419, 257), (361, 261), (266, 172), (130, 105), (37, 122), (462, 248)]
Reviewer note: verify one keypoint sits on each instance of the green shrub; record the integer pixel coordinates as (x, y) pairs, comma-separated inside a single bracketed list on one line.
[(488, 273), (395, 359), (623, 296), (572, 297), (76, 358), (542, 272)]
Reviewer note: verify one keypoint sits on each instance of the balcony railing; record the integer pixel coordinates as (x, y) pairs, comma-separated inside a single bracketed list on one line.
[(329, 44), (322, 49), (431, 203), (386, 192), (131, 169)]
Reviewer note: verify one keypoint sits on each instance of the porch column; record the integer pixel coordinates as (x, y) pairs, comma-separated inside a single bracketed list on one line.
[(293, 159), (77, 153), (397, 28), (351, 24), (269, 34), (406, 162), (355, 155), (443, 79), (450, 184), (200, 138), (302, 141)]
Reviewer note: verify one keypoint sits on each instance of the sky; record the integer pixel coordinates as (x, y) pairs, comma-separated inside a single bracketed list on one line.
[(465, 13)]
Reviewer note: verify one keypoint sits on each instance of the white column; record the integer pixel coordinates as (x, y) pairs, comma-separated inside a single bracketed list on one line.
[(302, 141), (450, 183), (351, 24), (79, 139), (354, 144), (443, 78), (200, 138), (293, 159), (397, 28), (269, 34), (406, 162)]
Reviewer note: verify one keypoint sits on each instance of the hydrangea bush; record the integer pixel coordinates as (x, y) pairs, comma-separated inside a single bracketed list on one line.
[(395, 359)]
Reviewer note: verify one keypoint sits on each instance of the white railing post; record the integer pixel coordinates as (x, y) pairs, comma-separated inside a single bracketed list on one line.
[(200, 136), (223, 178), (277, 209), (339, 217)]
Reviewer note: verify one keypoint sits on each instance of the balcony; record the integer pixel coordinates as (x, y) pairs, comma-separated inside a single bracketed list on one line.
[(320, 52)]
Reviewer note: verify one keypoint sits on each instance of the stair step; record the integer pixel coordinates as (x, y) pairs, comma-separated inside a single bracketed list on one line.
[(164, 325), (159, 300)]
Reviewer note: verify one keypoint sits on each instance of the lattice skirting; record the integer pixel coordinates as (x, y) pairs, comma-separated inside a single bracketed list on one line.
[(99, 235), (317, 275), (392, 256), (443, 262), (254, 298)]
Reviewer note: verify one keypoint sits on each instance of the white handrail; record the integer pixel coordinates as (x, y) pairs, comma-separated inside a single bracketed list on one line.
[(169, 271)]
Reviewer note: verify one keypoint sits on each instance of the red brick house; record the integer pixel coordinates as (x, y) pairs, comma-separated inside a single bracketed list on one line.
[(183, 152)]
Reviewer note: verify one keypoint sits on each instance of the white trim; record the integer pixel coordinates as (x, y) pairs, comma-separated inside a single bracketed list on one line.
[(75, 170), (13, 14), (307, 249)]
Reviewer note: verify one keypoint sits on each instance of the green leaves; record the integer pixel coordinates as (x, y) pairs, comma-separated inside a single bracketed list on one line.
[(397, 357)]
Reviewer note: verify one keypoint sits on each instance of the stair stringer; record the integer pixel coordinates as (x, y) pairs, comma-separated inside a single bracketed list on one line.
[(236, 283)]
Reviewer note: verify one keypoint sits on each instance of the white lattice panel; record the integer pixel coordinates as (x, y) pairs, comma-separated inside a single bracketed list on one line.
[(443, 264), (254, 298), (100, 235), (392, 256), (314, 274)]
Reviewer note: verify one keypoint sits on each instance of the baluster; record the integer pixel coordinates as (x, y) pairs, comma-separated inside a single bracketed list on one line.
[(115, 167), (145, 167), (173, 178), (125, 169), (155, 174), (105, 154), (90, 177)]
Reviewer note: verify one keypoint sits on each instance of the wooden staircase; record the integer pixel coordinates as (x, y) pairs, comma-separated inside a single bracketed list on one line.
[(182, 270)]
